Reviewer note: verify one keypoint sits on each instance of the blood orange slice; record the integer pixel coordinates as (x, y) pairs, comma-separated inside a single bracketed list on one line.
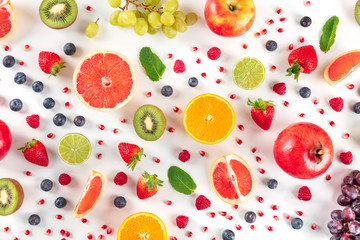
[(341, 66), (232, 179), (104, 80), (7, 19), (90, 195)]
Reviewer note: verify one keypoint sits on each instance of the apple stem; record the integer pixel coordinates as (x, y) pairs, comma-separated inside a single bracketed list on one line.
[(231, 7)]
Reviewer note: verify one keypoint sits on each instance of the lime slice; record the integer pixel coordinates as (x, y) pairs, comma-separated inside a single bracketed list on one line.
[(249, 73), (74, 148)]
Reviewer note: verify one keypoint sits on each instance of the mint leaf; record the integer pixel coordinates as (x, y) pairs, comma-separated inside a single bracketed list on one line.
[(328, 35), (152, 64), (181, 181)]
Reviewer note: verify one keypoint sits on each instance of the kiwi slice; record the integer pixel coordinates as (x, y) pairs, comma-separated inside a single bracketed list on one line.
[(58, 13), (149, 122), (11, 196)]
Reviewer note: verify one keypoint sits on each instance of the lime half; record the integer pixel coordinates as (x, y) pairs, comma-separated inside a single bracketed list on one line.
[(249, 73), (74, 148)]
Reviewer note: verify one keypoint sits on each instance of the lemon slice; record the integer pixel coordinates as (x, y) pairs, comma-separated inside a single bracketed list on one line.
[(249, 73), (74, 148)]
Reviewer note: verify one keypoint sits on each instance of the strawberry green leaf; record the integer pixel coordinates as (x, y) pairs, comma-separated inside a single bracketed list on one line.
[(328, 35), (152, 64), (181, 180), (28, 145), (134, 160), (295, 69), (152, 182), (260, 104)]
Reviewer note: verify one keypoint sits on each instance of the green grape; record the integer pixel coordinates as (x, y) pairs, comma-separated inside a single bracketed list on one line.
[(180, 14), (191, 18), (180, 25), (167, 19), (170, 32), (152, 30), (141, 26), (92, 29), (137, 13), (114, 3), (170, 6), (120, 20), (154, 19), (114, 17), (152, 2), (129, 18)]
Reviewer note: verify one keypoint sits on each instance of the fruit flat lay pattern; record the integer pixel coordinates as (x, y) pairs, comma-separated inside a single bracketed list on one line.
[(35, 105)]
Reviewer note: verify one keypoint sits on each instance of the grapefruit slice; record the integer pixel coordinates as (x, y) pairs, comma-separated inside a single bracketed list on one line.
[(341, 66), (104, 80), (7, 19), (232, 179), (90, 195)]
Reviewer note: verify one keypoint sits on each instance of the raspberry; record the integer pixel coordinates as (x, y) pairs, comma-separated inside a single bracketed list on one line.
[(184, 156), (33, 121), (120, 178), (182, 221), (202, 202), (279, 88), (213, 53), (346, 157), (64, 179), (304, 193), (179, 66), (336, 103)]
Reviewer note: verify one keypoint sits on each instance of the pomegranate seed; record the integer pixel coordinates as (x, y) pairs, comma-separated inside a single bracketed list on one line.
[(16, 238), (115, 130), (302, 115), (205, 229), (175, 109), (214, 238), (346, 136), (171, 129), (189, 234), (275, 207), (58, 216), (21, 62), (264, 31), (222, 213), (257, 34), (83, 220), (260, 200), (241, 127), (198, 60), (282, 19), (48, 232), (286, 215), (307, 4), (301, 39), (41, 202), (104, 227), (65, 90), (26, 232), (6, 229), (328, 177), (260, 213), (286, 103), (278, 11), (62, 232), (212, 214), (173, 238), (245, 46), (63, 239), (27, 173), (276, 218), (101, 142), (157, 160), (101, 127), (148, 94), (123, 120), (168, 202), (272, 68), (350, 86), (238, 227), (89, 236), (269, 22), (300, 213), (262, 171), (228, 217), (221, 69), (291, 46), (232, 96), (169, 55), (280, 30), (67, 105), (89, 8), (6, 48), (252, 227), (99, 156), (238, 140), (316, 101), (253, 150), (321, 111), (50, 135), (194, 49), (202, 153), (100, 237), (218, 81), (203, 75), (258, 159), (332, 123), (313, 226), (109, 230), (270, 228), (26, 47), (67, 233)]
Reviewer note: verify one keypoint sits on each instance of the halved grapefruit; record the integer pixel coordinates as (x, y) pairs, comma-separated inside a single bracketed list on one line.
[(90, 195), (7, 19), (232, 179), (341, 66), (104, 80)]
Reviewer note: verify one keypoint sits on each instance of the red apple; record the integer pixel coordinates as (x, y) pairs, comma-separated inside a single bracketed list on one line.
[(229, 18), (5, 139), (303, 150)]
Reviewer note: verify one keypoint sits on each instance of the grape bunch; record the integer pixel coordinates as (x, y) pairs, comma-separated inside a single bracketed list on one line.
[(150, 17), (345, 223)]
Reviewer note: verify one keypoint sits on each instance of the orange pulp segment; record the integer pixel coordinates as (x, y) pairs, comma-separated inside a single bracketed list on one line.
[(7, 19)]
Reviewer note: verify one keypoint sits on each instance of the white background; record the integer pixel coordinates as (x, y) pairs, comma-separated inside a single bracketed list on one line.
[(30, 30)]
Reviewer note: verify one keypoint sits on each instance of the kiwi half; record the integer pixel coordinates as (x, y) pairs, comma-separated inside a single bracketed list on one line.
[(149, 122), (58, 13), (11, 196)]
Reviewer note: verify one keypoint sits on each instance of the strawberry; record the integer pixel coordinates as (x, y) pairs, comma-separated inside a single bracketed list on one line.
[(50, 62), (35, 152), (147, 185), (262, 112), (336, 104), (302, 60), (130, 153)]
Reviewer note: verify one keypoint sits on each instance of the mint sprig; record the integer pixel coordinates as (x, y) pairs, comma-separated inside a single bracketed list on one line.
[(328, 35), (181, 181), (152, 64)]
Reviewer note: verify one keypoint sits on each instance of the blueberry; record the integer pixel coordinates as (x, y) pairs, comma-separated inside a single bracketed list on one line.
[(34, 219), (305, 92), (8, 61), (271, 45), (166, 90), (48, 103), (305, 21), (228, 235), (60, 202), (46, 185), (69, 49), (120, 202), (16, 104), (193, 82), (272, 183), (37, 86), (59, 119), (79, 121), (356, 108), (250, 217), (296, 223), (20, 78)]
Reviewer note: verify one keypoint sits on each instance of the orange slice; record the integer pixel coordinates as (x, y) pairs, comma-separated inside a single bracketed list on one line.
[(341, 66), (232, 179), (209, 118), (7, 19), (142, 226), (104, 80), (90, 195)]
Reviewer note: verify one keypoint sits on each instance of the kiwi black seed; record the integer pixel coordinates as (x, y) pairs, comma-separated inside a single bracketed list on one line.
[(58, 13), (149, 122), (11, 196)]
